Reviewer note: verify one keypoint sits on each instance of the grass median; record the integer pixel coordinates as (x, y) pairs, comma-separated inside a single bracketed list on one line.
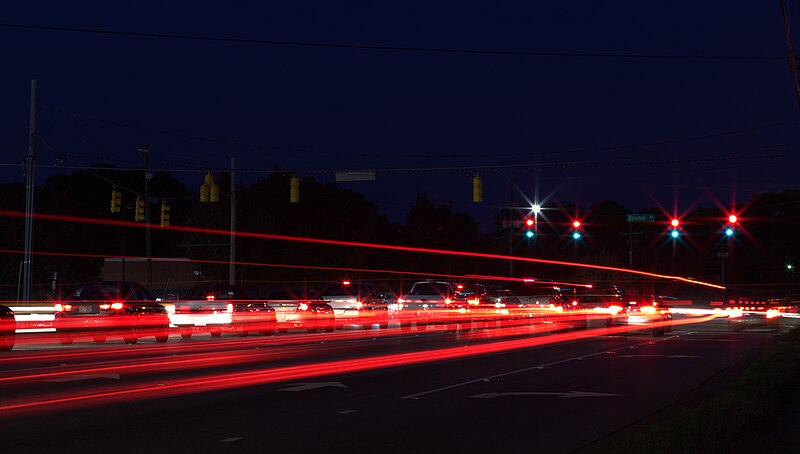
[(742, 418)]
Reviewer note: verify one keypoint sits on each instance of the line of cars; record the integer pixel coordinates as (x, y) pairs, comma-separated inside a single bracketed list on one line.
[(99, 310), (464, 306)]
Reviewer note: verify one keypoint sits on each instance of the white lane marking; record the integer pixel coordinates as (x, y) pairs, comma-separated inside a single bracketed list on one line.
[(294, 387), (711, 340), (82, 377), (659, 356), (527, 393), (538, 366), (231, 439)]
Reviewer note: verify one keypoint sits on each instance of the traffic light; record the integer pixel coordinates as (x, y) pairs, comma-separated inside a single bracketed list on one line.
[(164, 214), (294, 190), (116, 200), (674, 230), (576, 230), (732, 229), (209, 191), (139, 208), (530, 228), (477, 189)]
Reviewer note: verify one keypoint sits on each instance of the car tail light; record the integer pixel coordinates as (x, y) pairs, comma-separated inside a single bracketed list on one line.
[(359, 304), (474, 302), (105, 307), (614, 309), (210, 297), (735, 313), (302, 307), (650, 310), (447, 301), (116, 305), (229, 308), (499, 305), (574, 303), (772, 313), (63, 307), (400, 301)]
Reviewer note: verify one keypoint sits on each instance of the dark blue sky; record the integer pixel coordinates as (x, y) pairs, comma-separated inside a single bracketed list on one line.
[(639, 125)]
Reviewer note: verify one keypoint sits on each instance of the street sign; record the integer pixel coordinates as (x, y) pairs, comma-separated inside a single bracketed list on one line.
[(511, 224), (355, 176), (641, 218)]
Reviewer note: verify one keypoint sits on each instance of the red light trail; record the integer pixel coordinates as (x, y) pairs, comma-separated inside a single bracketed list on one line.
[(269, 236), (212, 382)]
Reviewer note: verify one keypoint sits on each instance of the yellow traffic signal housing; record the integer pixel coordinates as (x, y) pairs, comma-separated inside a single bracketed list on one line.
[(477, 189), (116, 200), (164, 214), (209, 191), (294, 190), (139, 208)]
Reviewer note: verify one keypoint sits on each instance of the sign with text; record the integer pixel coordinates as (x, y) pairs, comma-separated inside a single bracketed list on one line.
[(641, 218), (511, 224)]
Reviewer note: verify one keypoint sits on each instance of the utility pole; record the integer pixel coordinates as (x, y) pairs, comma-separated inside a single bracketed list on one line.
[(232, 269), (632, 239), (30, 187), (510, 230), (147, 177)]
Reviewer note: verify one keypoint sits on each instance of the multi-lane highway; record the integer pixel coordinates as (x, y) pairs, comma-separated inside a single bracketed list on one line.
[(508, 389)]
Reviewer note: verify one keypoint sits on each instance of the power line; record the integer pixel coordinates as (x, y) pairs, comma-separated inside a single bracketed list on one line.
[(311, 44), (468, 169)]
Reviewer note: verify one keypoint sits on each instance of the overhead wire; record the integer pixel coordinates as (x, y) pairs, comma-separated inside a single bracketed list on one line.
[(415, 49)]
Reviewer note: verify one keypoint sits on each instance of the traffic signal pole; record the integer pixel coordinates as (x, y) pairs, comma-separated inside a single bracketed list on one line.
[(232, 266), (30, 186), (147, 177)]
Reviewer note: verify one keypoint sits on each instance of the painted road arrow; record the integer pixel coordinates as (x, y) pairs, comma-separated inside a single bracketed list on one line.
[(525, 393), (316, 385), (82, 377)]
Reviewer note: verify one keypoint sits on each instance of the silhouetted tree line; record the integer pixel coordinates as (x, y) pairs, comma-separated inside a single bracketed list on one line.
[(757, 255)]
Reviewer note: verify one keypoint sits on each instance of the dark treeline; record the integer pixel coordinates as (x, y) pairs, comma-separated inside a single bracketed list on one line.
[(758, 255)]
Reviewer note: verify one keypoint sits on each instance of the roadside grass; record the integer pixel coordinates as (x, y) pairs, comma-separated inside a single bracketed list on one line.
[(739, 419)]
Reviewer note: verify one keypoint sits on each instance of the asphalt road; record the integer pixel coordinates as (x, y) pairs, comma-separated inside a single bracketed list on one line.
[(373, 391)]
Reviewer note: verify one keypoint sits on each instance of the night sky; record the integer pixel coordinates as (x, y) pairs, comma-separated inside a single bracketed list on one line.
[(645, 131)]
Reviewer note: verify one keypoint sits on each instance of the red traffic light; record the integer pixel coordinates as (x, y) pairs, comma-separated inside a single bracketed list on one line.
[(675, 222), (576, 224), (732, 219), (529, 222)]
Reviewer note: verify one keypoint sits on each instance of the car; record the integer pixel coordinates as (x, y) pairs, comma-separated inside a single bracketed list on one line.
[(750, 313), (430, 301), (356, 303), (116, 308), (645, 311), (218, 308), (8, 326), (301, 308), (588, 305)]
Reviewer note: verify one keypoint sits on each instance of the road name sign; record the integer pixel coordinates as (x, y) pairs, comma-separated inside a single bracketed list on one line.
[(511, 224), (641, 218)]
